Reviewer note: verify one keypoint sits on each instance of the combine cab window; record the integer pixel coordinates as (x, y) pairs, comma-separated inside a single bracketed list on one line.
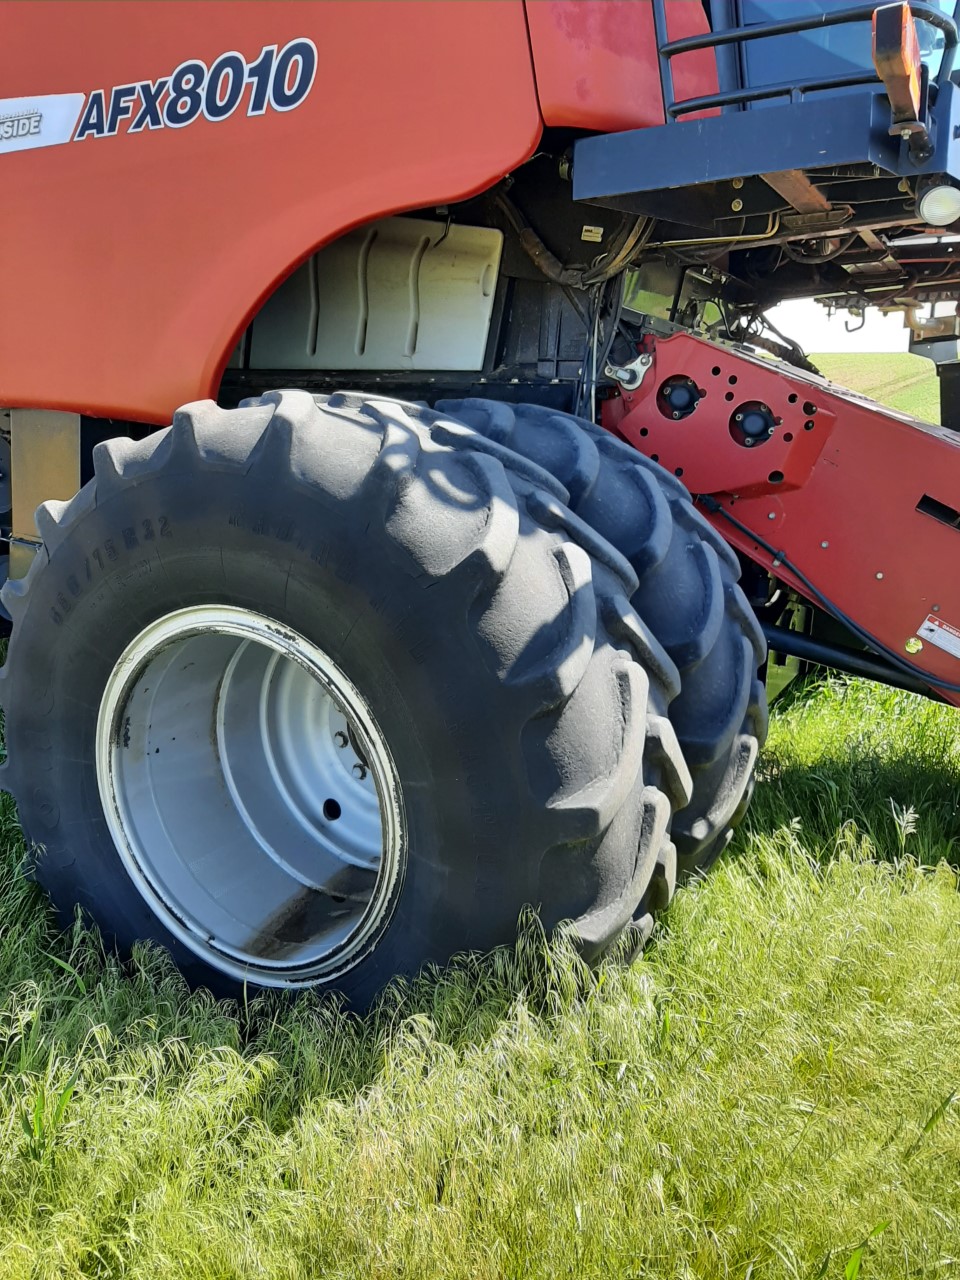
[(834, 52)]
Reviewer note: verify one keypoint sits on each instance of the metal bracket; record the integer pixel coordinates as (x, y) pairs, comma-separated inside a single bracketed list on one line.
[(934, 327), (631, 375), (44, 465), (797, 189), (811, 224)]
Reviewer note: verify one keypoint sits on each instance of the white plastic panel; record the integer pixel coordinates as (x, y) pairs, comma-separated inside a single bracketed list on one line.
[(402, 293)]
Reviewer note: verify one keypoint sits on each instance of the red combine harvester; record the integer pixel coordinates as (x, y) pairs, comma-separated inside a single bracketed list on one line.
[(409, 618)]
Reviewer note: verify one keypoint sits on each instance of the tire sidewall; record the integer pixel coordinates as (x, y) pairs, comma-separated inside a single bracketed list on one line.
[(328, 571)]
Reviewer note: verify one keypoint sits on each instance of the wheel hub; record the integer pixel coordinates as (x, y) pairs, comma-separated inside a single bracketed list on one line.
[(251, 795)]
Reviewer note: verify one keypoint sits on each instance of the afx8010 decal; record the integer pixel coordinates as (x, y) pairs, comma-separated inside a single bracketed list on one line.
[(276, 80)]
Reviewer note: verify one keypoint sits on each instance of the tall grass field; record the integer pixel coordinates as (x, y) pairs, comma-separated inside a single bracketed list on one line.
[(905, 382), (772, 1090)]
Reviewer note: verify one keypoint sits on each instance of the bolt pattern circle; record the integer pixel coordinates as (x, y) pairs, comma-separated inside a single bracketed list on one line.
[(752, 423)]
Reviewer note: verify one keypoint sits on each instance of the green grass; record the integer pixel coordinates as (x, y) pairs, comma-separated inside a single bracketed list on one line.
[(768, 1092), (905, 382)]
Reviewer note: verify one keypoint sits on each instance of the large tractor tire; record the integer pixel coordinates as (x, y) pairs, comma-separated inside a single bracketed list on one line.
[(687, 594), (312, 693)]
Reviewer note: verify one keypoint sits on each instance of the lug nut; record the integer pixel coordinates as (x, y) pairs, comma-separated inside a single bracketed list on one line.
[(340, 738), (359, 771)]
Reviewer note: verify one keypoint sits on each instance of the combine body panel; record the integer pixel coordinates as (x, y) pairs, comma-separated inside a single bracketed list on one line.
[(861, 499), (597, 67), (448, 589), (136, 254)]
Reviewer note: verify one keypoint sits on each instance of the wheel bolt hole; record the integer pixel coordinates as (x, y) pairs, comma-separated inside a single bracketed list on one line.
[(331, 810)]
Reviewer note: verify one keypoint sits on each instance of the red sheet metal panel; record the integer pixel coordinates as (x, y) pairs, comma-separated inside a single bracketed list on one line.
[(134, 255), (596, 61), (836, 487)]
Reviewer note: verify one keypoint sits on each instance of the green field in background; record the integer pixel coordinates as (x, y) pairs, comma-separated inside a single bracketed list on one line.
[(905, 382)]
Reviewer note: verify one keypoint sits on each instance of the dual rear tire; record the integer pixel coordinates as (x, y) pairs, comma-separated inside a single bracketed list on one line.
[(313, 693)]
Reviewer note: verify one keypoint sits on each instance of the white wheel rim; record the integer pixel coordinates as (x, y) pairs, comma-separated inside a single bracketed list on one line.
[(250, 794)]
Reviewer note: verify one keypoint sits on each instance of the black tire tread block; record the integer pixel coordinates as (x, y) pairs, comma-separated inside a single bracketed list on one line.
[(687, 594)]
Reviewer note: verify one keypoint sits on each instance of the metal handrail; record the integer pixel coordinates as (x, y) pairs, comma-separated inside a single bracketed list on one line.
[(796, 88), (668, 49)]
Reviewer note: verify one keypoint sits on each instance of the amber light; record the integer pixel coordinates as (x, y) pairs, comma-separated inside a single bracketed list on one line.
[(896, 56)]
